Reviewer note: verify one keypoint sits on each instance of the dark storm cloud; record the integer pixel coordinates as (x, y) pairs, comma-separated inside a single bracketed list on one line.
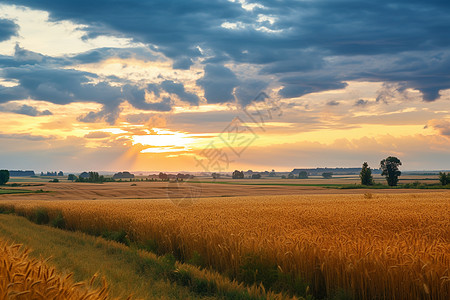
[(30, 111), (182, 63), (7, 29), (178, 89), (299, 85), (24, 57), (361, 102), (332, 103), (218, 83), (100, 54), (64, 86), (60, 86), (249, 91), (308, 40)]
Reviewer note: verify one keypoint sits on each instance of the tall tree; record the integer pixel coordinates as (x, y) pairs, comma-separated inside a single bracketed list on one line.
[(444, 178), (389, 168), (366, 175), (238, 175), (4, 176)]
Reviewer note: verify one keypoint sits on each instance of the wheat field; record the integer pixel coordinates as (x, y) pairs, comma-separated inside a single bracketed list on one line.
[(22, 277), (380, 246)]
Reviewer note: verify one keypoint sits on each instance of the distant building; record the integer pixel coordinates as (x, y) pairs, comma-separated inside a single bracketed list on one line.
[(20, 173), (123, 175)]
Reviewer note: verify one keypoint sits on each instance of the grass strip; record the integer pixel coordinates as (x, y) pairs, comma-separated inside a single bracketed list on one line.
[(15, 191)]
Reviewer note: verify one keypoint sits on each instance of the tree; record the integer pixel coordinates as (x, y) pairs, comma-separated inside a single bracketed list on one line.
[(71, 177), (389, 168), (291, 176), (238, 175), (163, 176), (4, 176), (444, 178), (94, 177), (303, 175), (256, 176), (366, 175), (327, 175)]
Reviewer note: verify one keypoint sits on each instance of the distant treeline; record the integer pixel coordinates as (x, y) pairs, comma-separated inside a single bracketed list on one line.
[(335, 171), (20, 173)]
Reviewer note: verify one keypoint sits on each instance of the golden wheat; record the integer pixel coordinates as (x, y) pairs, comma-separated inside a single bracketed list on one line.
[(22, 277), (387, 246)]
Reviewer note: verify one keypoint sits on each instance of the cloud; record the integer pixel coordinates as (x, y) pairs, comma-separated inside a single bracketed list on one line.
[(178, 89), (64, 86), (100, 54), (25, 136), (97, 135), (442, 125), (182, 63), (150, 120), (297, 43), (109, 113), (416, 152), (7, 29), (361, 102), (218, 83), (333, 103), (251, 90), (24, 110), (297, 86)]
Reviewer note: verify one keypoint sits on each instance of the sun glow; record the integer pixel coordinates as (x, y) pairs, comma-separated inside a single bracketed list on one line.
[(163, 140)]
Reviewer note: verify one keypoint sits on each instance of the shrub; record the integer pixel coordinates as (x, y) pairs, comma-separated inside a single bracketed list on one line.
[(368, 195), (150, 245), (59, 222), (196, 260), (7, 209), (117, 236), (254, 269), (39, 216), (327, 175)]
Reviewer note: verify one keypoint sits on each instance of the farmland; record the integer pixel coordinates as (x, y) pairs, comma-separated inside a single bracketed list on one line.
[(364, 244)]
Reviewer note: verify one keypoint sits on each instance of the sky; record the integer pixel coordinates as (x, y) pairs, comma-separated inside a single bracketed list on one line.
[(215, 86)]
